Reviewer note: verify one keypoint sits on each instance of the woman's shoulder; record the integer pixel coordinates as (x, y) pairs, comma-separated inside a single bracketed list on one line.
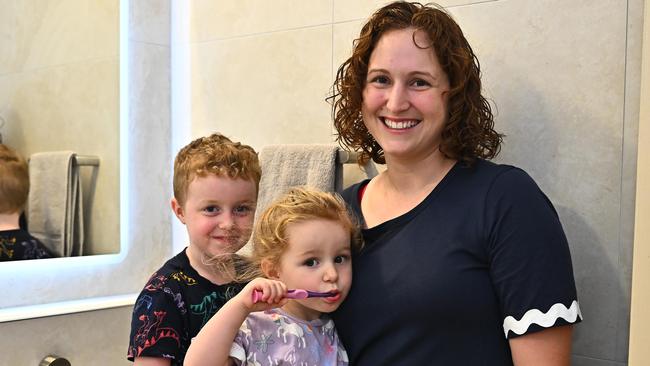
[(481, 167), (511, 186), (493, 174), (489, 182)]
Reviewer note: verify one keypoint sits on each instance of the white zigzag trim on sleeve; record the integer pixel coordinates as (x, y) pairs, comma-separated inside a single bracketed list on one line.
[(543, 319)]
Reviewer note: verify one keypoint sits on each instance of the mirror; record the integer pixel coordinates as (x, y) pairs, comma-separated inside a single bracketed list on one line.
[(68, 285), (59, 91)]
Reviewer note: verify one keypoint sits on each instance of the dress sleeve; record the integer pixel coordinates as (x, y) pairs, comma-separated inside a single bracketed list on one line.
[(157, 323), (530, 263)]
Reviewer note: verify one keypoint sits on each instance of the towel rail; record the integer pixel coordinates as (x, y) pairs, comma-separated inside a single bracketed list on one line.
[(347, 157), (86, 160), (351, 157)]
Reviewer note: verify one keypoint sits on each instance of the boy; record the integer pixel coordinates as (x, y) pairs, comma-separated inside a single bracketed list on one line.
[(15, 243), (215, 193)]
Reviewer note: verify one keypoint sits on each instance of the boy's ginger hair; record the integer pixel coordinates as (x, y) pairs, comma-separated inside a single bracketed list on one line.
[(214, 154), (14, 181)]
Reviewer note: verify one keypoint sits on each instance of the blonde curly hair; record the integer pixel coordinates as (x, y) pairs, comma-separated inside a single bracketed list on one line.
[(270, 237)]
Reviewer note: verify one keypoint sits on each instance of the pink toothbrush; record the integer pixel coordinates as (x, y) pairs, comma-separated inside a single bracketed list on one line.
[(295, 294)]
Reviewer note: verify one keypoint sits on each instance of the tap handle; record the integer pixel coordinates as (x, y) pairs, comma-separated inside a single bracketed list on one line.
[(53, 360)]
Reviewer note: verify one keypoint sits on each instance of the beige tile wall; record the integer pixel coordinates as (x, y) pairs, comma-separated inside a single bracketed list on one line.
[(212, 20), (639, 337), (344, 10), (43, 33), (242, 86)]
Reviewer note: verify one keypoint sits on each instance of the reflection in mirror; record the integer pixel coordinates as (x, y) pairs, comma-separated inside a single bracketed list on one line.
[(59, 91), (57, 286)]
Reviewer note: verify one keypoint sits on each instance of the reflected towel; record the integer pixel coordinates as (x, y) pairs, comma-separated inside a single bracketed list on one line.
[(54, 209), (286, 166)]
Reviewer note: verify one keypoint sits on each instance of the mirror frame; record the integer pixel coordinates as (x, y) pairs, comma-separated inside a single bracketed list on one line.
[(33, 271)]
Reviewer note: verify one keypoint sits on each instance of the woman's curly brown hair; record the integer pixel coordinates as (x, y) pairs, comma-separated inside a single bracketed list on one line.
[(469, 132)]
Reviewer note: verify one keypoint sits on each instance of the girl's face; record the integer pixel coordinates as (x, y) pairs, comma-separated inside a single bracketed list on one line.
[(405, 98), (318, 258)]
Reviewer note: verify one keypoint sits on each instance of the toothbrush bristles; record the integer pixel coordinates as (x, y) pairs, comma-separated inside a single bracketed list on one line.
[(320, 294)]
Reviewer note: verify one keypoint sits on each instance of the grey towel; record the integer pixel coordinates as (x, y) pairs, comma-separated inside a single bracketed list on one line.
[(54, 207), (287, 166)]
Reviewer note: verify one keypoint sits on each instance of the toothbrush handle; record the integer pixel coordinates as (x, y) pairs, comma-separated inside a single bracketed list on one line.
[(257, 295), (291, 294)]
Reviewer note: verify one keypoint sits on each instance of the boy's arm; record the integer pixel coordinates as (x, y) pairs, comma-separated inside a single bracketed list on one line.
[(212, 345)]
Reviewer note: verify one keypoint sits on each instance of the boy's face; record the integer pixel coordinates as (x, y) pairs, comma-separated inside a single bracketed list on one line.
[(218, 213)]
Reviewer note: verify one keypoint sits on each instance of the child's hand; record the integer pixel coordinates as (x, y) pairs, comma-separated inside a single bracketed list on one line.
[(272, 294)]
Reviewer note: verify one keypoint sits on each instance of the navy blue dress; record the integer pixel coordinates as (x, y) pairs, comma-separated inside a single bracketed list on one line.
[(482, 259)]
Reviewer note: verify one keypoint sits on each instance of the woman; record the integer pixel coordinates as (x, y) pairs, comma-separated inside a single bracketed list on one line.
[(465, 261)]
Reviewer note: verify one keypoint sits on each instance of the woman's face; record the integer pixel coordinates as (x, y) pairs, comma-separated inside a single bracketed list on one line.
[(406, 96)]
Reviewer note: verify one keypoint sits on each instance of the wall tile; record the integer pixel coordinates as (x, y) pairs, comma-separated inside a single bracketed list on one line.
[(629, 166), (80, 338), (11, 57), (587, 361), (264, 89), (343, 36), (212, 20), (150, 21), (362, 9), (37, 33), (149, 140)]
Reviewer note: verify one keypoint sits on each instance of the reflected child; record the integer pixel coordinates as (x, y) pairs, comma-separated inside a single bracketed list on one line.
[(16, 243)]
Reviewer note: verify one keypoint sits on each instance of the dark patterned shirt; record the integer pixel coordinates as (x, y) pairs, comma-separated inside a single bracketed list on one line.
[(171, 309), (18, 244)]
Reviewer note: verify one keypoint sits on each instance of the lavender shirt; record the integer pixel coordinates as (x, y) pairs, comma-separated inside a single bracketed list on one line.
[(275, 337)]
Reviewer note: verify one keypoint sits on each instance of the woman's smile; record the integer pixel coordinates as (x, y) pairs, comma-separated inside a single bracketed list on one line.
[(399, 123)]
